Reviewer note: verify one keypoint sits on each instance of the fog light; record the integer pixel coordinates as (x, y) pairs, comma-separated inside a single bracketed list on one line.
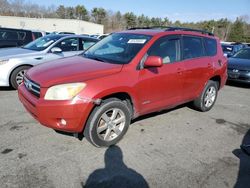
[(63, 122)]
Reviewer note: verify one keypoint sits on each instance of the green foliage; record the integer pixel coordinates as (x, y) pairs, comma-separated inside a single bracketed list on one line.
[(130, 19), (237, 31)]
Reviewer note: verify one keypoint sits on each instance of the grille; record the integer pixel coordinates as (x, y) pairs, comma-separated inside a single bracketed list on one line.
[(32, 87)]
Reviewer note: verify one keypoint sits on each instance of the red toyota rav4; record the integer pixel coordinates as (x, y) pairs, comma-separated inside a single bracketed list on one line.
[(124, 76)]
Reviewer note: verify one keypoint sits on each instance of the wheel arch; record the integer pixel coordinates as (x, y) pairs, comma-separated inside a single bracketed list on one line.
[(11, 72), (217, 79)]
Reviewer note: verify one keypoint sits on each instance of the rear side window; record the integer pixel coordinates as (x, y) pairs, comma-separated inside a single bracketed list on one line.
[(211, 46), (12, 35), (37, 35), (192, 47)]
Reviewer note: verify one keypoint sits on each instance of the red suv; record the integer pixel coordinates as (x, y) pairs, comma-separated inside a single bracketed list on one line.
[(125, 75)]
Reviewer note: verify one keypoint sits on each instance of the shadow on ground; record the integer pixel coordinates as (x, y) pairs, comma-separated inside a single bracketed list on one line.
[(238, 84), (243, 154), (115, 174), (6, 89)]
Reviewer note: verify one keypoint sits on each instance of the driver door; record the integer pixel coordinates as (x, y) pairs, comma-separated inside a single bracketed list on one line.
[(160, 87)]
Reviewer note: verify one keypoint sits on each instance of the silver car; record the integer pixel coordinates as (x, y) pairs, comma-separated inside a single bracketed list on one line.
[(15, 61)]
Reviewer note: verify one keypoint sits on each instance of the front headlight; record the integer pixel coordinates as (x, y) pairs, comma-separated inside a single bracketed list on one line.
[(2, 62), (64, 91)]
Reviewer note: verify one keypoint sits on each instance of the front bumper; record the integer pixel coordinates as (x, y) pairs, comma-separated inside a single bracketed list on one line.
[(4, 75), (51, 113), (240, 76)]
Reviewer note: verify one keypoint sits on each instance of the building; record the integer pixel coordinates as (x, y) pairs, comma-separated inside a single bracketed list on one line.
[(51, 24)]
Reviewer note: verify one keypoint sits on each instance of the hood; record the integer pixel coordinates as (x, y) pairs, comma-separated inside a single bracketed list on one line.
[(241, 64), (72, 69), (10, 53)]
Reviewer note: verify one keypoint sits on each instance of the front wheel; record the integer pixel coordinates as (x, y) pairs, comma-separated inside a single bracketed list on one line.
[(17, 75), (208, 97), (108, 123)]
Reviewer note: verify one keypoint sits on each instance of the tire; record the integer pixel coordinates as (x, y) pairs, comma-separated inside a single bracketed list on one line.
[(16, 77), (108, 123), (205, 102)]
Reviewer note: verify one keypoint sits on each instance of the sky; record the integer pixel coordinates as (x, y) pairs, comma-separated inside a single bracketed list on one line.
[(183, 10)]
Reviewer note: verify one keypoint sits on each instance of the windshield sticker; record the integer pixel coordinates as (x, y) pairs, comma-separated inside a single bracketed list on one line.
[(137, 41)]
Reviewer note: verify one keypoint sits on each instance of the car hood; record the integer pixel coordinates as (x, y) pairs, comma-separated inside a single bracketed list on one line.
[(68, 70), (10, 53), (241, 64)]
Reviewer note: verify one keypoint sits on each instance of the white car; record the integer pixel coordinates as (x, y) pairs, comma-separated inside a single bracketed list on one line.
[(15, 61)]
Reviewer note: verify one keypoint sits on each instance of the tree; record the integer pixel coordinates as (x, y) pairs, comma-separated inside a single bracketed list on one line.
[(81, 13), (237, 31), (61, 12), (130, 19), (99, 15)]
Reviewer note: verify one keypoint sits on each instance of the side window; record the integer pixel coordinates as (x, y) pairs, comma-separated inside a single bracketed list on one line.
[(9, 35), (87, 43), (70, 44), (211, 46), (192, 47), (167, 48)]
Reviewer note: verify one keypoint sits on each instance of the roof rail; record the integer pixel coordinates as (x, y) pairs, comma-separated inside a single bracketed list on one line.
[(189, 29), (168, 28)]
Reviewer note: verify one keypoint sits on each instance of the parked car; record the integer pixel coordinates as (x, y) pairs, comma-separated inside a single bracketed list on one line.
[(103, 36), (14, 37), (15, 61), (239, 66), (38, 34), (231, 49), (123, 76)]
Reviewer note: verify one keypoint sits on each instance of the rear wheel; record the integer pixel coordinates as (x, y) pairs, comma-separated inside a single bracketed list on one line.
[(17, 75), (108, 123), (208, 97)]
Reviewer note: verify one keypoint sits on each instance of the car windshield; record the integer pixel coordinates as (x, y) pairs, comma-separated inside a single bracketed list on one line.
[(243, 54), (42, 43), (118, 48)]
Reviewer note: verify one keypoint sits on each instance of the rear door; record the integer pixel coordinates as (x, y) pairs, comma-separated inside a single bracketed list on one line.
[(198, 66), (160, 87)]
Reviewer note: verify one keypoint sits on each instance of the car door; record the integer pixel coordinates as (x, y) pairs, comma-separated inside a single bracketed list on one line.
[(160, 87), (69, 47), (196, 65)]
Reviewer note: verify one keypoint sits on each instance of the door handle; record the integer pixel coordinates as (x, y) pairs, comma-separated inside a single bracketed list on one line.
[(219, 62), (179, 70), (38, 58)]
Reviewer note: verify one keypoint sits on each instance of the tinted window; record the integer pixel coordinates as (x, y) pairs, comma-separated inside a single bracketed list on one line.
[(211, 46), (37, 35), (67, 45), (12, 35), (243, 54), (166, 48), (192, 47)]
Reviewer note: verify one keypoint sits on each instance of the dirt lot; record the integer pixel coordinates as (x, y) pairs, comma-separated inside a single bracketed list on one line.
[(176, 148)]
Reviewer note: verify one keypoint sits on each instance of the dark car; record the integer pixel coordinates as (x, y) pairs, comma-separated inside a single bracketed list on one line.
[(231, 49), (239, 66), (14, 37)]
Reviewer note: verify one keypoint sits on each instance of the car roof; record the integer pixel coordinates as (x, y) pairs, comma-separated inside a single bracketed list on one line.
[(13, 29), (169, 30)]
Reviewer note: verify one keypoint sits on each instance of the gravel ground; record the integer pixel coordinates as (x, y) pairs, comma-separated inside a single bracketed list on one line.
[(175, 148)]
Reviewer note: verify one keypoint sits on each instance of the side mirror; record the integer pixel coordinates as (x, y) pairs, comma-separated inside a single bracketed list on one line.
[(56, 50), (153, 61)]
